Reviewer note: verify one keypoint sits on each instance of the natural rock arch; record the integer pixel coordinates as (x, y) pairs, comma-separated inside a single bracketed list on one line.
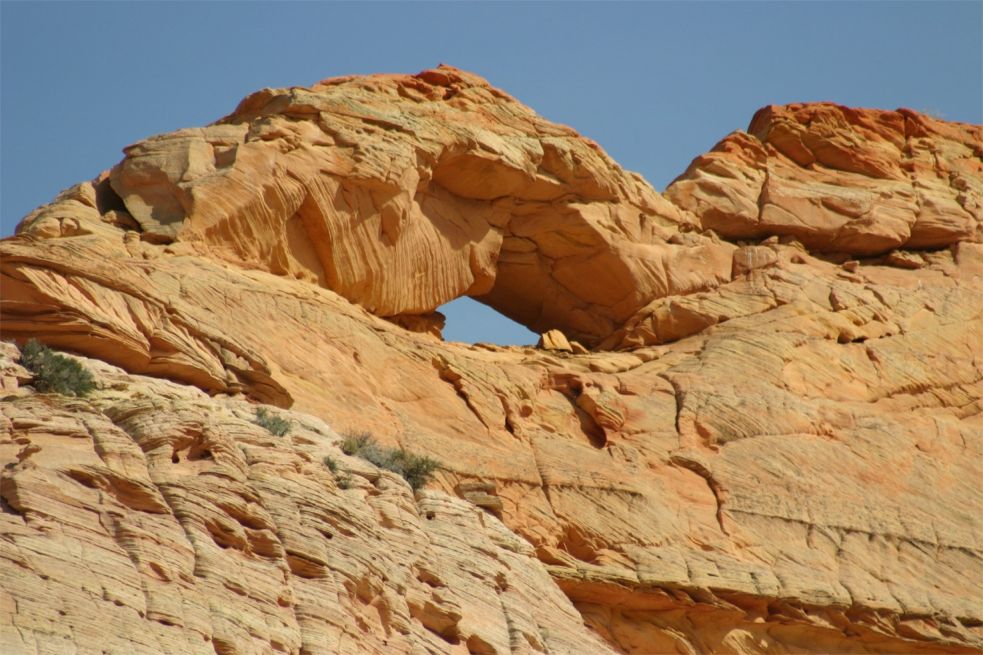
[(402, 193)]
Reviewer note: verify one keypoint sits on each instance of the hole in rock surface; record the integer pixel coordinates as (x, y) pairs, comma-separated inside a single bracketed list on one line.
[(472, 322)]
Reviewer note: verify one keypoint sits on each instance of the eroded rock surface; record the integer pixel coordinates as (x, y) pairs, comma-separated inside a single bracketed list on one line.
[(153, 519), (859, 181), (355, 183), (774, 448)]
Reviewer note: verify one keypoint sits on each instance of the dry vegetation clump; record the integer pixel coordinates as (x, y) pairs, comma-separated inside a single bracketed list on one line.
[(418, 470)]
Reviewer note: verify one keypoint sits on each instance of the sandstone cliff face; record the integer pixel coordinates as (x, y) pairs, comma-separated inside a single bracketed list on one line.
[(774, 447), (154, 519)]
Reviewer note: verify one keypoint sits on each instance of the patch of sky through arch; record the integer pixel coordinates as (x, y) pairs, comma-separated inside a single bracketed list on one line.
[(472, 322)]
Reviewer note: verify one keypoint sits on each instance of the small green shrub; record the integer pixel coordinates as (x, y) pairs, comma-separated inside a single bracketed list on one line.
[(331, 464), (418, 470), (273, 424), (54, 372), (354, 442)]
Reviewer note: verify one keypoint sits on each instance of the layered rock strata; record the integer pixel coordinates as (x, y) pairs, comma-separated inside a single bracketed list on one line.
[(857, 181), (774, 447), (354, 183)]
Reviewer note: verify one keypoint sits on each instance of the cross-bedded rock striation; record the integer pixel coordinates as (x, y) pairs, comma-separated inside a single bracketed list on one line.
[(773, 447)]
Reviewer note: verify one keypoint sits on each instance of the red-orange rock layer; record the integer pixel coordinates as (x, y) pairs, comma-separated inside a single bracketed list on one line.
[(856, 181)]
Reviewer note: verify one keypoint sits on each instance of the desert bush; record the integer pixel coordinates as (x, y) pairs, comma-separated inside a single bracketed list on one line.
[(273, 424), (54, 372), (354, 442), (418, 470)]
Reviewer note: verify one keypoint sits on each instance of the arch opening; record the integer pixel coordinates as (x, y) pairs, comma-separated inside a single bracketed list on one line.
[(470, 321)]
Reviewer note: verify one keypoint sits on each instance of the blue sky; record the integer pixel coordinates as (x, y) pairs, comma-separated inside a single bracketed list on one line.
[(654, 83)]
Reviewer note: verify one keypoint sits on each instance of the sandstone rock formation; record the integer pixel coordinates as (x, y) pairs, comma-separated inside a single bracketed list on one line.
[(186, 528), (856, 181), (775, 446), (554, 340), (352, 182)]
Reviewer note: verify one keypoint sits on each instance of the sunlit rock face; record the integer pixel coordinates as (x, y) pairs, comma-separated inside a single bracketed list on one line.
[(774, 446), (403, 192), (857, 181)]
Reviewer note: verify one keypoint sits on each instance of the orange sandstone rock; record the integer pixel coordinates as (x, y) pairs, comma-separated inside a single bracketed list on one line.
[(765, 451), (554, 340), (858, 181), (355, 182)]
